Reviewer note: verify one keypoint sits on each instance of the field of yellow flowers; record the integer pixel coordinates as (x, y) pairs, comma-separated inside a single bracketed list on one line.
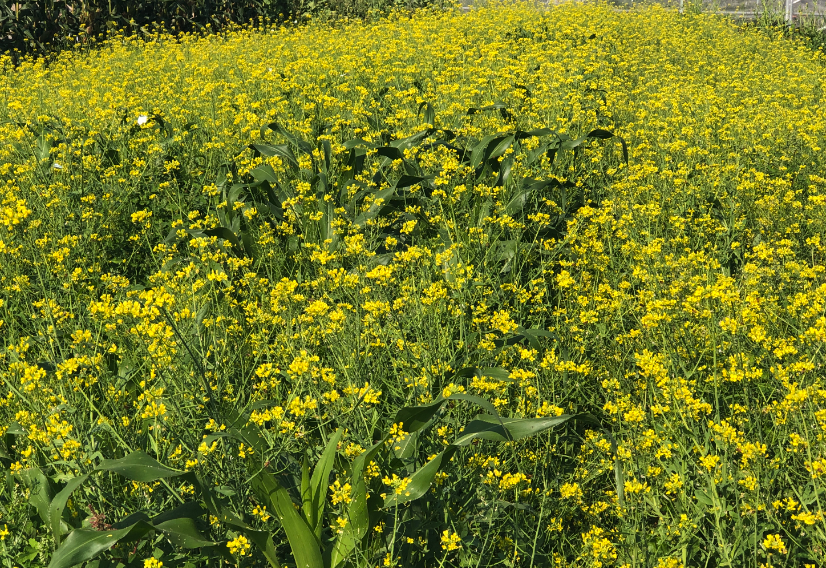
[(529, 286)]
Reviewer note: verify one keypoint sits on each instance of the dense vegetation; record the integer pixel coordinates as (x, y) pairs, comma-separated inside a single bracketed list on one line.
[(42, 27), (522, 287)]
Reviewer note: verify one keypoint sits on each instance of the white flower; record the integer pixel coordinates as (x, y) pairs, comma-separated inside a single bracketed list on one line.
[(57, 166), (142, 119)]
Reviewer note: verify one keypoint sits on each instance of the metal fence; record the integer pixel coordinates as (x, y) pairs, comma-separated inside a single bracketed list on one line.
[(809, 12)]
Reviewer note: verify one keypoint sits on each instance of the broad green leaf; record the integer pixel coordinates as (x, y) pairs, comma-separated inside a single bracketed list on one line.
[(295, 140), (242, 430), (410, 141), (407, 180), (42, 148), (364, 459), (524, 427), (307, 492), (420, 481), (380, 199), (429, 113), (84, 544), (40, 491), (303, 543), (478, 154), (415, 417), (505, 169), (499, 429), (358, 525), (265, 173), (358, 143), (517, 201), (492, 372), (223, 233), (520, 134), (280, 151), (319, 481), (500, 148), (533, 334), (482, 429), (190, 510), (58, 504), (338, 551), (139, 466), (250, 246), (390, 152), (357, 510), (405, 447), (495, 106), (260, 539), (183, 532), (478, 401), (327, 149), (600, 133)]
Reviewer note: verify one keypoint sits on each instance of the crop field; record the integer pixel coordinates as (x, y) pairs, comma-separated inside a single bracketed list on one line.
[(525, 287)]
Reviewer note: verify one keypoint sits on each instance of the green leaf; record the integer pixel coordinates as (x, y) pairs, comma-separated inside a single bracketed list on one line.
[(139, 466), (429, 113), (260, 539), (407, 180), (223, 233), (492, 372), (358, 526), (364, 459), (517, 202), (42, 147), (295, 140), (265, 173), (605, 135), (357, 511), (307, 492), (499, 429), (420, 481), (190, 509), (184, 533), (415, 417), (84, 544), (280, 151), (524, 427), (319, 481), (500, 148), (478, 154), (303, 543), (340, 549), (476, 400), (482, 429), (521, 134), (58, 504), (390, 152), (380, 199), (410, 141), (40, 491), (533, 335)]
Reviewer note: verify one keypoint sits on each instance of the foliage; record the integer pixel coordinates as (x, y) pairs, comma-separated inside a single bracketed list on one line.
[(44, 26), (526, 286)]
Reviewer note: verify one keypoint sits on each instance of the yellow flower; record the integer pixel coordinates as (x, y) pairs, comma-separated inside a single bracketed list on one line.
[(239, 546), (450, 541), (773, 543)]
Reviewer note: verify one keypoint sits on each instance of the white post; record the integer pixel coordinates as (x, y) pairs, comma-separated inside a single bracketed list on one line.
[(789, 11)]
